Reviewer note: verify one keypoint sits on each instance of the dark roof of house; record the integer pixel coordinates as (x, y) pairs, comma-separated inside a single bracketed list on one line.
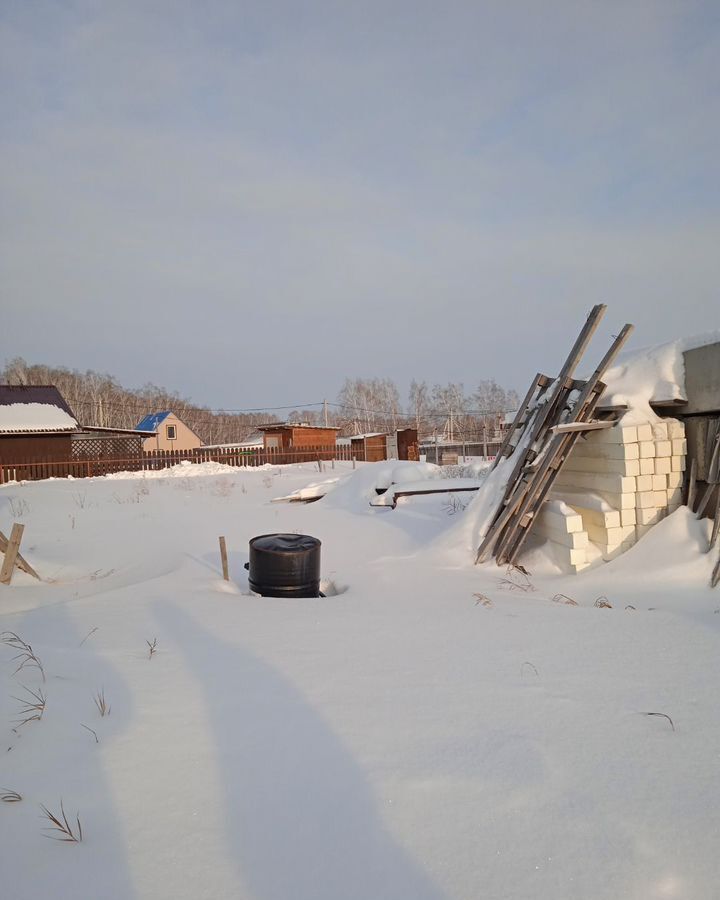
[(273, 426), (45, 408), (152, 421)]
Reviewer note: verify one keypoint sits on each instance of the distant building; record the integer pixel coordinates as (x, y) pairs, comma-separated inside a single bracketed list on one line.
[(376, 446), (36, 424), (171, 433), (289, 437)]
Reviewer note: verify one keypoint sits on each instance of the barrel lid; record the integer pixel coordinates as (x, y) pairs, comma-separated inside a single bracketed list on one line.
[(284, 543)]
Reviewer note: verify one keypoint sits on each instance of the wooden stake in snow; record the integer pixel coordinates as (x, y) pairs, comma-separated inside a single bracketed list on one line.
[(223, 557), (11, 553), (21, 563)]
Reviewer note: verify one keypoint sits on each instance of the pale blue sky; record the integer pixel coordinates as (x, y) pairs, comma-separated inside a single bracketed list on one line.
[(211, 196)]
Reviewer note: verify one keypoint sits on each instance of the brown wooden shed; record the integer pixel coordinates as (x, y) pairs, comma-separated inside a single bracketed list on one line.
[(36, 424), (369, 447), (407, 441), (299, 442)]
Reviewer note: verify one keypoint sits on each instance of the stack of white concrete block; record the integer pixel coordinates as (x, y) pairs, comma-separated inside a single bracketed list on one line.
[(620, 482)]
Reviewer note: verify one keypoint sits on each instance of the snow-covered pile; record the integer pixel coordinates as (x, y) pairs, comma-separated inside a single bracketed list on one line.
[(653, 374), (438, 730)]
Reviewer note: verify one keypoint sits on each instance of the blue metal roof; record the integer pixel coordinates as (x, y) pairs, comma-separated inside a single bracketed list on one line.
[(152, 422)]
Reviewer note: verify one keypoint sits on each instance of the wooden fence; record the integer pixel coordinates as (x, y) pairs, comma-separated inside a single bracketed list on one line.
[(156, 460)]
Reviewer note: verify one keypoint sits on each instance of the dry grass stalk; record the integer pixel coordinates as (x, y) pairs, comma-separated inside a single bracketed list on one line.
[(563, 598), (26, 656), (603, 603), (482, 600), (8, 796), (103, 707), (32, 709), (89, 634), (87, 728), (664, 715), (153, 647), (63, 826), (522, 669)]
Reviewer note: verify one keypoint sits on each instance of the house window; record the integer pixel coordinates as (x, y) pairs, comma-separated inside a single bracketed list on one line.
[(171, 432)]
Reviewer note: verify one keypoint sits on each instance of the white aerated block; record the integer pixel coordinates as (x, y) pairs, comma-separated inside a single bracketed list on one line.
[(628, 517), (602, 465), (575, 540), (620, 501), (660, 498), (663, 465), (551, 517), (677, 463), (618, 434), (647, 466), (645, 500), (664, 448), (659, 432), (606, 451), (647, 517), (609, 536), (676, 429), (610, 519), (595, 482), (647, 449), (644, 483), (679, 447), (645, 432), (674, 480), (659, 482)]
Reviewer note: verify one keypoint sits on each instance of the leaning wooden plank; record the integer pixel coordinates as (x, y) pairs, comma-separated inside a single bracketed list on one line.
[(558, 390), (513, 541), (716, 523), (582, 426), (716, 573), (21, 563), (11, 553), (704, 500), (538, 381), (559, 449), (583, 410), (691, 484)]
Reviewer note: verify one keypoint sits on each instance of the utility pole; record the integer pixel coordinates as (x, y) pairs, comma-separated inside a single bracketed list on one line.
[(326, 412)]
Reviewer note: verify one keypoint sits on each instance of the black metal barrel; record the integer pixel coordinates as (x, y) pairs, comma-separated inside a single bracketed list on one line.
[(284, 565)]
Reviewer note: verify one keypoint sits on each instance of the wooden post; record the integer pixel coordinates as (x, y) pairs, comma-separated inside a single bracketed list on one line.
[(354, 461), (223, 557), (716, 523), (11, 553), (691, 484)]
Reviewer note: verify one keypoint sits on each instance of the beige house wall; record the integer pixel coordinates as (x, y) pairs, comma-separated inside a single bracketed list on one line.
[(185, 439)]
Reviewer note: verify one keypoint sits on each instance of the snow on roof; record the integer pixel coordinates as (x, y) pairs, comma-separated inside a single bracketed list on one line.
[(273, 425), (152, 421), (650, 375), (34, 408)]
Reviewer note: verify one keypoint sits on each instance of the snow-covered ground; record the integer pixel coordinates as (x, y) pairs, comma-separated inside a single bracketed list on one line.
[(432, 730)]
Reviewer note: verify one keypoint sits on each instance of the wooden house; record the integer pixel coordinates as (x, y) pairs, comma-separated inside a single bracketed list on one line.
[(289, 437), (401, 444), (36, 424), (168, 433), (370, 447)]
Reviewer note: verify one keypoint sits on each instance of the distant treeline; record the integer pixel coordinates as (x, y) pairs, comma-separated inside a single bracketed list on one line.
[(362, 405)]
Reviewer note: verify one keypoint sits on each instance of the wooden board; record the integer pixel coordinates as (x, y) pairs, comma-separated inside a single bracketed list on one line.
[(21, 563), (11, 553)]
